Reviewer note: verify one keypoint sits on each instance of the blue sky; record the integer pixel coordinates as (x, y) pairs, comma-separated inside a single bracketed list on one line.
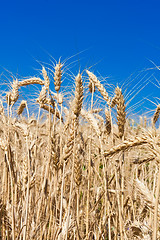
[(120, 37)]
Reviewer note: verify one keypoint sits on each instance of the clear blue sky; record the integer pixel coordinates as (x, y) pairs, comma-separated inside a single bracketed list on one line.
[(119, 36)]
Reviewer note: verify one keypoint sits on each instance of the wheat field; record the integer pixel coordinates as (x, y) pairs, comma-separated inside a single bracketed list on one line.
[(77, 170)]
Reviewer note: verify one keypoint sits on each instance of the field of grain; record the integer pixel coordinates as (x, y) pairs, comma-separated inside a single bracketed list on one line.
[(77, 170)]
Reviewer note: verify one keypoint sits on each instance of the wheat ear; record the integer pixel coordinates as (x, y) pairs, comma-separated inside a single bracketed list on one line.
[(126, 145), (29, 81), (77, 105), (114, 101), (147, 196), (121, 113), (42, 95), (58, 76), (156, 114), (21, 107), (14, 93), (98, 85), (46, 78), (68, 148), (90, 118)]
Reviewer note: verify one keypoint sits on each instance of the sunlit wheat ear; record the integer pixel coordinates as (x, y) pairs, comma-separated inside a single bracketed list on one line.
[(156, 115), (46, 78), (58, 76), (68, 148), (21, 107), (121, 111), (30, 81), (98, 85), (54, 156), (14, 92), (77, 103), (108, 121), (126, 145), (147, 196), (42, 95)]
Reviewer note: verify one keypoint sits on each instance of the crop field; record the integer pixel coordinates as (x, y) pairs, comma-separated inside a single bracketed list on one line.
[(76, 169)]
